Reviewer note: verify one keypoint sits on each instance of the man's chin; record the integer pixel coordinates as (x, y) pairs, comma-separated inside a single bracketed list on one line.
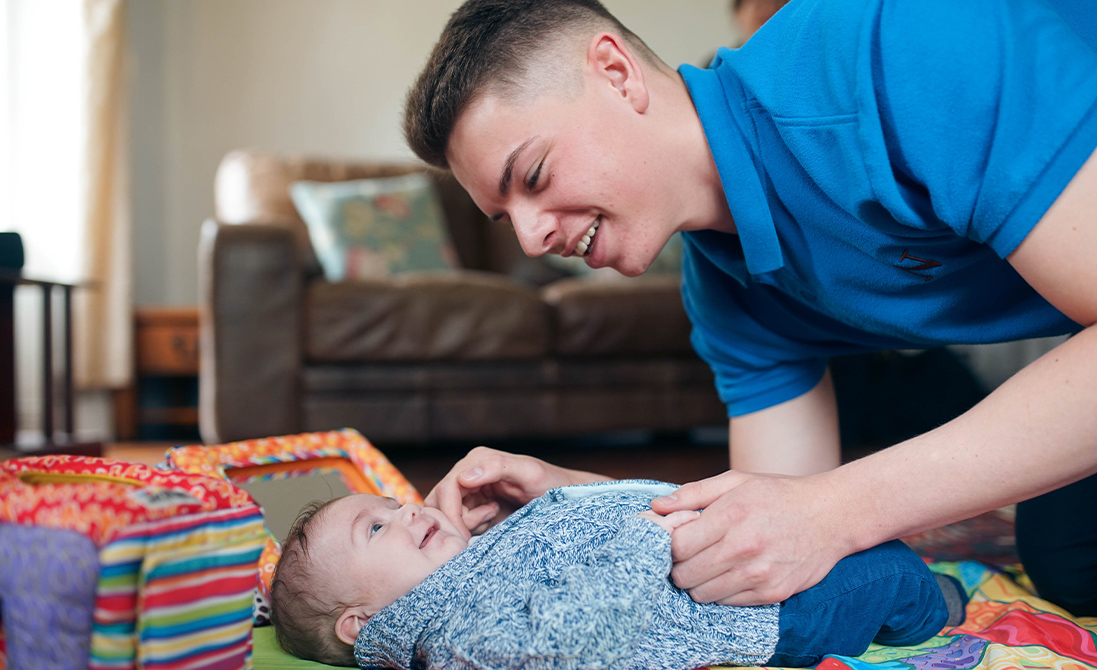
[(630, 270)]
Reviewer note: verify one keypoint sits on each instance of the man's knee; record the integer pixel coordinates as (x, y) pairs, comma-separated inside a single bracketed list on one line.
[(1057, 542), (1076, 592)]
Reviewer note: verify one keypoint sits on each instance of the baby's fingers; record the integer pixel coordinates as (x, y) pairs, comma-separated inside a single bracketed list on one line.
[(681, 517), (479, 519), (671, 521)]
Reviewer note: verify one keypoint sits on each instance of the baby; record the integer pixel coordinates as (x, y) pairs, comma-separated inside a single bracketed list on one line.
[(577, 578)]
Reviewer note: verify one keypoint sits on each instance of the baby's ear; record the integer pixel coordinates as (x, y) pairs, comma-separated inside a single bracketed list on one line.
[(350, 622)]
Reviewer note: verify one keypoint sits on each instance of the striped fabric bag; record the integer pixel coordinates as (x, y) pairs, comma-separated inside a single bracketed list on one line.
[(345, 453), (105, 564)]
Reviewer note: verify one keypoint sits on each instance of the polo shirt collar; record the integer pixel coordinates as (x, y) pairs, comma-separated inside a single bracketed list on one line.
[(718, 96)]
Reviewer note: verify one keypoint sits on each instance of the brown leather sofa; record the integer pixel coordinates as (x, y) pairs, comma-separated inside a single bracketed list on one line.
[(503, 348)]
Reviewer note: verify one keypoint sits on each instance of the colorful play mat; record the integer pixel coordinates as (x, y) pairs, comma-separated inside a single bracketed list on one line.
[(1006, 627)]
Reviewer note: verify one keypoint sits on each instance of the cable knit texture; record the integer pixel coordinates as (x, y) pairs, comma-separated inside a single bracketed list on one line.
[(572, 580)]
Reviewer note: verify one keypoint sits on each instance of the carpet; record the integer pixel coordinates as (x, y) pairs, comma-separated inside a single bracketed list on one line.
[(987, 538)]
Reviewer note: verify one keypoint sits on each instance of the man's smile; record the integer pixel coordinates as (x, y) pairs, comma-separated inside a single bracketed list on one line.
[(582, 247)]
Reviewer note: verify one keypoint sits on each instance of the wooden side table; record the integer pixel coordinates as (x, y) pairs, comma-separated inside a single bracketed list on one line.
[(166, 348), (53, 441)]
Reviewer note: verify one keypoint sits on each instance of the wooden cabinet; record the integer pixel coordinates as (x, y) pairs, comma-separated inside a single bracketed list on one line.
[(167, 342), (163, 403)]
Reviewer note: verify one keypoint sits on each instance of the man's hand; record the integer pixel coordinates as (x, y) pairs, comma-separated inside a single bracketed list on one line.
[(670, 521), (759, 540), (485, 486)]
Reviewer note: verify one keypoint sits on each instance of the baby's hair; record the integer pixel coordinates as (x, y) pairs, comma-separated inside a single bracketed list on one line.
[(303, 623)]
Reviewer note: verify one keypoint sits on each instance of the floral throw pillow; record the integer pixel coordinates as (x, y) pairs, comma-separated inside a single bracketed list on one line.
[(374, 227)]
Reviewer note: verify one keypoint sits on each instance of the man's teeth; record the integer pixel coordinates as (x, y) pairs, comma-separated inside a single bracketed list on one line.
[(584, 242)]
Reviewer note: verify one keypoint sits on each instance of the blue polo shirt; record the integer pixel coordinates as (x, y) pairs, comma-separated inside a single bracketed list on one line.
[(881, 158)]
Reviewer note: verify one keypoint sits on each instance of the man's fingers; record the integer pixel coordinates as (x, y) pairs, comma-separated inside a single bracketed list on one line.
[(464, 507), (707, 580), (698, 495), (448, 497), (707, 560), (750, 598), (707, 530), (721, 587), (741, 590), (472, 476), (489, 476)]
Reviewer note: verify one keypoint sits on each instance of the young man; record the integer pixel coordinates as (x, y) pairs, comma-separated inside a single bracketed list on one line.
[(862, 174)]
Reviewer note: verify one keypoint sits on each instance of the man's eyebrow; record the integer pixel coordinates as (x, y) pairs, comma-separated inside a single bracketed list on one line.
[(508, 167)]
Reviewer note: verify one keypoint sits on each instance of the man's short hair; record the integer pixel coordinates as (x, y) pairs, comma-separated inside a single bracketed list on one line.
[(304, 623), (490, 45)]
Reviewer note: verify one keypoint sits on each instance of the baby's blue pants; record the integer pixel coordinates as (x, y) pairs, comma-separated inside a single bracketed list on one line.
[(884, 594)]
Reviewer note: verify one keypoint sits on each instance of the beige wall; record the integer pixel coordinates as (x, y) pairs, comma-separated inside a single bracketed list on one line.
[(324, 76)]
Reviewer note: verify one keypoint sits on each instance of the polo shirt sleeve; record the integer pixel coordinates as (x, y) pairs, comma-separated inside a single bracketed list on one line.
[(755, 367), (989, 107)]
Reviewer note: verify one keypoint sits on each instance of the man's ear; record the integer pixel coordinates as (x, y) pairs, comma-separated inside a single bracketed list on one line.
[(612, 61), (350, 622)]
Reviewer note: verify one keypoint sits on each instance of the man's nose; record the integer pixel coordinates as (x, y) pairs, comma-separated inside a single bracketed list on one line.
[(537, 233)]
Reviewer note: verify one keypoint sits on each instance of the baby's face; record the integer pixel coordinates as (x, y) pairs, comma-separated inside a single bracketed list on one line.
[(375, 550)]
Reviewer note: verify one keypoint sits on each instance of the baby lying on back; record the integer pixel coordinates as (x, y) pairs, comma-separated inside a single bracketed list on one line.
[(577, 578)]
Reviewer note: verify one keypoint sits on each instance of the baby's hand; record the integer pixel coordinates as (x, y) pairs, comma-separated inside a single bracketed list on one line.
[(672, 520)]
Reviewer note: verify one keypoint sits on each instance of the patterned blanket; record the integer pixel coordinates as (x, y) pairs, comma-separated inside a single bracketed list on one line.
[(1006, 627)]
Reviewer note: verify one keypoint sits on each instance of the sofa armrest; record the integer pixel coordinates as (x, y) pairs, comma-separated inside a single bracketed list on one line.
[(252, 310)]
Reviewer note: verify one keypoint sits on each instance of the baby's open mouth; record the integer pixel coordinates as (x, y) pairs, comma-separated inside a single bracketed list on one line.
[(426, 538), (586, 241)]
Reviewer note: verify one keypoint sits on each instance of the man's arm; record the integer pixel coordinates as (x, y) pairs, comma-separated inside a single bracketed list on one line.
[(797, 437), (763, 538)]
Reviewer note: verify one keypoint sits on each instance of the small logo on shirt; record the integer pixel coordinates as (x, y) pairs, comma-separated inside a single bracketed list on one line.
[(919, 267)]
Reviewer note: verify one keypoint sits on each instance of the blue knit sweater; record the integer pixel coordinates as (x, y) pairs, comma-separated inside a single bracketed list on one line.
[(572, 580)]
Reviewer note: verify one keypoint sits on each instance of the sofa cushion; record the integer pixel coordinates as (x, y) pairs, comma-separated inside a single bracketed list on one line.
[(374, 227), (458, 315), (642, 315)]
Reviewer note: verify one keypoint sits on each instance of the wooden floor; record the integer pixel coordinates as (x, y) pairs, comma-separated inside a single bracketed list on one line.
[(677, 460)]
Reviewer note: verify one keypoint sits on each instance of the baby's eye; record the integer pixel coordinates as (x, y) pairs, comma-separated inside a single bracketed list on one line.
[(375, 527)]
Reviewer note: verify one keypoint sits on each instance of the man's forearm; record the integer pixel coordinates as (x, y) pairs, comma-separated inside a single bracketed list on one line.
[(1035, 433), (797, 437)]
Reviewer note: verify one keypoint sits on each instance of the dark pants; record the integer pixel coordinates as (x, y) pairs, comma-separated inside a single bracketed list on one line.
[(884, 594), (1057, 542)]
